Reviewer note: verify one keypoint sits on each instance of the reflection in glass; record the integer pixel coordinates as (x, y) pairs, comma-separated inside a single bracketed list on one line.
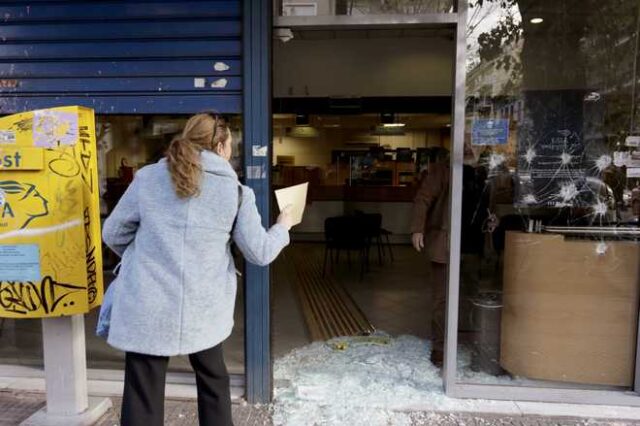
[(400, 7), (364, 7), (549, 273)]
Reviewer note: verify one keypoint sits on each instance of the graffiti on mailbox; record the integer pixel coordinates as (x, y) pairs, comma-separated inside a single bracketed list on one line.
[(50, 251), (88, 166), (64, 165), (47, 296)]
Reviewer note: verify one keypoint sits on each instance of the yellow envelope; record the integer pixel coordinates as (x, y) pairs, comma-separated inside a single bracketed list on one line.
[(296, 196)]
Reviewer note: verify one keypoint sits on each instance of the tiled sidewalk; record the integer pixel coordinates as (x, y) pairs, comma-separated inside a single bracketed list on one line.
[(185, 413), (16, 406)]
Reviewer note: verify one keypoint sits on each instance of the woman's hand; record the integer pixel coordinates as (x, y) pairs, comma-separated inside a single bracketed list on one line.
[(286, 218), (418, 241)]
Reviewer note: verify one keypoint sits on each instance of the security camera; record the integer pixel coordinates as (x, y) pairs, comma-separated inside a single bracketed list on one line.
[(283, 34)]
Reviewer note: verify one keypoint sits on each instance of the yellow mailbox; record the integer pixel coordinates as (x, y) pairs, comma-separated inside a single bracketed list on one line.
[(50, 244)]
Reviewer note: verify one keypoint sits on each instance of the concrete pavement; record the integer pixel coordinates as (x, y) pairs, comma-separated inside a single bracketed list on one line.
[(16, 406)]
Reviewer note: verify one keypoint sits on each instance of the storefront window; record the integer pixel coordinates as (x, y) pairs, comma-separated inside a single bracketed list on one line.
[(125, 144), (551, 195), (21, 342), (363, 7)]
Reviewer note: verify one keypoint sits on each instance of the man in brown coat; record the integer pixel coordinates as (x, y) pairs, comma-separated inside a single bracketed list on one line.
[(430, 230)]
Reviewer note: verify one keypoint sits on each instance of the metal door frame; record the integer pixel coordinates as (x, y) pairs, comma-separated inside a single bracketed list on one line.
[(257, 26)]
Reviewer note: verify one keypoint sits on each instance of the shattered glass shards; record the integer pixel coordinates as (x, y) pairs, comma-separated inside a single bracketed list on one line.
[(351, 381)]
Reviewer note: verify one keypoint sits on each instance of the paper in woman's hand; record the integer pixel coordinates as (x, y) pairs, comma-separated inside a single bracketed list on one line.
[(296, 197)]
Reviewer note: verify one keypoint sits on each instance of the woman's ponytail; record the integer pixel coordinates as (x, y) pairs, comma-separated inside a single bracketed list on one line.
[(185, 168), (202, 132)]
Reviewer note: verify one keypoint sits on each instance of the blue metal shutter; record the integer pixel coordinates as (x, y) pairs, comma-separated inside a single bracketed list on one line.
[(121, 57)]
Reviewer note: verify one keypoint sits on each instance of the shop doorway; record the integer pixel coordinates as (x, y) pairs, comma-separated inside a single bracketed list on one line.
[(360, 114)]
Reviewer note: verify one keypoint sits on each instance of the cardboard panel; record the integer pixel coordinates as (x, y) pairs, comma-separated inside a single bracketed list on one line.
[(570, 309), (50, 244)]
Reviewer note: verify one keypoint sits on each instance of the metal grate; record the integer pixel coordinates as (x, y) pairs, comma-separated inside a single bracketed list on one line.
[(328, 309), (148, 56)]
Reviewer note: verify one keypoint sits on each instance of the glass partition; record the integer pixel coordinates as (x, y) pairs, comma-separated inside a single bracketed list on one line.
[(550, 256)]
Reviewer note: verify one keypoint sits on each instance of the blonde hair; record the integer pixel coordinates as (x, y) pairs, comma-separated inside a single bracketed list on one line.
[(202, 132)]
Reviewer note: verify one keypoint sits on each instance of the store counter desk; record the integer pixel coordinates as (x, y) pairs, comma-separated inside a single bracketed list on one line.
[(570, 309)]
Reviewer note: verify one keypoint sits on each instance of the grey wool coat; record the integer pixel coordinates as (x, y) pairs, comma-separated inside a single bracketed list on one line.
[(176, 289)]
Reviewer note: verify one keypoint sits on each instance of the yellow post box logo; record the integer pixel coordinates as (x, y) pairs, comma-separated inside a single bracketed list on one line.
[(50, 245), (21, 158)]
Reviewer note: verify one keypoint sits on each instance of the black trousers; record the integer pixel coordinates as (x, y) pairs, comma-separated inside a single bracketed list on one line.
[(144, 383)]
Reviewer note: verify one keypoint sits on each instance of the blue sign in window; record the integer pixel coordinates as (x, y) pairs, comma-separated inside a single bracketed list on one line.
[(490, 132)]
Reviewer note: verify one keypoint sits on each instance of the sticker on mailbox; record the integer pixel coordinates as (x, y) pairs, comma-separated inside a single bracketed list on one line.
[(20, 262), (7, 136)]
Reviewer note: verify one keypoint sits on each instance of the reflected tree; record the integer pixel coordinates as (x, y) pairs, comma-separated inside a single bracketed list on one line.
[(587, 44), (562, 60)]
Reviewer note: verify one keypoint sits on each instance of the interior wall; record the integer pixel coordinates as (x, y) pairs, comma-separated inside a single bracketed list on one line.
[(323, 7), (384, 67)]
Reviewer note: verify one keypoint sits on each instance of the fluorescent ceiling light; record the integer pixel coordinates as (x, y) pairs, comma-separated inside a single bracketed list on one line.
[(536, 20), (393, 125)]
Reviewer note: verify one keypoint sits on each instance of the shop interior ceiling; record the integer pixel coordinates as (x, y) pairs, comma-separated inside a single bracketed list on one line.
[(366, 121), (350, 105), (318, 34), (364, 71)]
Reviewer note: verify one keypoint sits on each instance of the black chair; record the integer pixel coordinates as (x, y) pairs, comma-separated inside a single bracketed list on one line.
[(345, 233), (376, 234), (384, 241)]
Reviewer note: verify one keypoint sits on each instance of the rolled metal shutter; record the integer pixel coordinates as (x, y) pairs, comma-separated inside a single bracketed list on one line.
[(121, 57)]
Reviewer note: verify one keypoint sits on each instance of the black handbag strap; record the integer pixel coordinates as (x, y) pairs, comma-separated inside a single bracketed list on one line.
[(235, 220)]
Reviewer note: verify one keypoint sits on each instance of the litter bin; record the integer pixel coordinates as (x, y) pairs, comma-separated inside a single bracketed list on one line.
[(487, 313)]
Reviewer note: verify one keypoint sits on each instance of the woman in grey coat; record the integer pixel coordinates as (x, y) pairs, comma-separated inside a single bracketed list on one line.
[(176, 289)]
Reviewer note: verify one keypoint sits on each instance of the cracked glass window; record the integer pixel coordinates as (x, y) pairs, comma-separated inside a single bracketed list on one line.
[(551, 194)]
